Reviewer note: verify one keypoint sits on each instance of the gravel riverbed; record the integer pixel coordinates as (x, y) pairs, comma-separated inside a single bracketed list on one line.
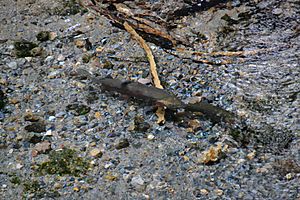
[(64, 138)]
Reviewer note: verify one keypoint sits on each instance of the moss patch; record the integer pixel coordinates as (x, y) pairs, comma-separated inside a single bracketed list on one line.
[(34, 189), (64, 162), (23, 48), (68, 7)]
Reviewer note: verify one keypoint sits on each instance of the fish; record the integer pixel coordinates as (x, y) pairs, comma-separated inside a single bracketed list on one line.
[(138, 90), (159, 97)]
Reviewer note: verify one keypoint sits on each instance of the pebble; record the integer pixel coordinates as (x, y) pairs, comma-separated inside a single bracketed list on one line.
[(79, 43), (251, 155), (110, 177), (52, 35), (289, 176), (137, 181), (61, 57), (19, 166), (14, 101), (49, 59), (149, 158), (96, 152), (57, 186), (277, 11), (54, 74), (150, 137), (37, 127), (108, 165), (43, 147), (37, 51), (60, 114), (123, 143), (28, 59), (219, 192), (204, 192), (51, 118), (31, 117), (12, 65), (97, 115)]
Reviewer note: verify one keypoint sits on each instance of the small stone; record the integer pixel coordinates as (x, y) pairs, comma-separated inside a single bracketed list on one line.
[(12, 65), (43, 147), (211, 155), (137, 180), (251, 155), (79, 84), (107, 64), (110, 177), (219, 192), (3, 81), (76, 189), (131, 126), (289, 176), (14, 101), (147, 197), (29, 116), (19, 137), (262, 170), (194, 124), (34, 153), (29, 59), (52, 35), (49, 59), (79, 43), (186, 158), (37, 127), (277, 11), (92, 144), (97, 115), (60, 57), (108, 165), (37, 51), (53, 74), (19, 166), (60, 114), (204, 192), (93, 162), (150, 137), (99, 49), (51, 118), (96, 152), (123, 143), (57, 186)]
